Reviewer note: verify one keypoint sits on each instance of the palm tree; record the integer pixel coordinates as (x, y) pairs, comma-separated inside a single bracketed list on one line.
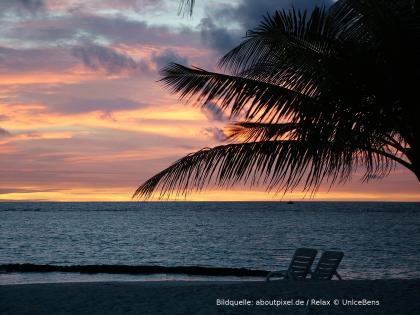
[(186, 6), (320, 95)]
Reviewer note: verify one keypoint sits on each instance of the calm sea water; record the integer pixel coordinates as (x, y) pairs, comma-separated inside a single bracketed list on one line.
[(380, 240)]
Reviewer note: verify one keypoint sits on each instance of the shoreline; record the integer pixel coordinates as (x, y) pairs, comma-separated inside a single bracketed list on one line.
[(201, 297), (135, 270)]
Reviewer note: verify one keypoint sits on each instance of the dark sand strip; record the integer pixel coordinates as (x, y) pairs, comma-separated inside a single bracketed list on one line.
[(136, 270), (394, 297)]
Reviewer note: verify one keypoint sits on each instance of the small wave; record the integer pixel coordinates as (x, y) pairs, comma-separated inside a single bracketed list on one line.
[(138, 270)]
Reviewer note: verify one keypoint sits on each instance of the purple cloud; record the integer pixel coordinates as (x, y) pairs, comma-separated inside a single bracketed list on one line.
[(115, 29), (168, 55), (4, 133), (22, 6), (74, 105), (60, 100), (98, 57), (14, 60), (215, 133), (213, 112)]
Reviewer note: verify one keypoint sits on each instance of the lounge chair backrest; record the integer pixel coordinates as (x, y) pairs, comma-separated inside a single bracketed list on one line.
[(327, 265), (301, 263)]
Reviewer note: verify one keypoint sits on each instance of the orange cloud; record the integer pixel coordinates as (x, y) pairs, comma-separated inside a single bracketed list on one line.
[(98, 152)]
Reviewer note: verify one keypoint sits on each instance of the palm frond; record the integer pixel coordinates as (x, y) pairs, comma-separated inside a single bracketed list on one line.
[(252, 132), (375, 21), (285, 37), (259, 99), (276, 164), (322, 94), (186, 6)]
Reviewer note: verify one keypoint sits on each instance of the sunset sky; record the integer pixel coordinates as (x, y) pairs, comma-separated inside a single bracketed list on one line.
[(82, 116)]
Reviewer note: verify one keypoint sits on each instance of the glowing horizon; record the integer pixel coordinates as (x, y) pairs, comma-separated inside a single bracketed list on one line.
[(82, 117)]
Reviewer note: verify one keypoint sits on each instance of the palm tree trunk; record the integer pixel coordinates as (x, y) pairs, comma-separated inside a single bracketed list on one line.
[(414, 156), (417, 171)]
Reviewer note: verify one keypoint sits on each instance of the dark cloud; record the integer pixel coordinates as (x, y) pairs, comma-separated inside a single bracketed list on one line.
[(163, 58), (98, 57), (212, 112), (22, 6), (31, 5), (215, 133), (217, 37), (247, 15), (4, 133)]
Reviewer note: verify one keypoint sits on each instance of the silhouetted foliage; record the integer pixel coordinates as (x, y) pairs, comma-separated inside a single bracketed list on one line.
[(319, 93), (186, 6)]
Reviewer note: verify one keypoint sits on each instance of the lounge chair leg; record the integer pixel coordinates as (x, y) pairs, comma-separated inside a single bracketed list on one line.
[(273, 273), (267, 279), (338, 276)]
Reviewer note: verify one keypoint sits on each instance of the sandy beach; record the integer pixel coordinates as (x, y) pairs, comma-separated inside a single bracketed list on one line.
[(373, 297)]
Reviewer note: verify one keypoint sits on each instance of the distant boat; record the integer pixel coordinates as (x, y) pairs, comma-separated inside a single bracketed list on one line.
[(290, 202)]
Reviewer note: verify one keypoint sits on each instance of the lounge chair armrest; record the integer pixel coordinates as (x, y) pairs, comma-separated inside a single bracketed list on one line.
[(275, 273)]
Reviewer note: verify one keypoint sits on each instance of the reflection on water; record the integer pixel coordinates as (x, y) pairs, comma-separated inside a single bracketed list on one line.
[(380, 240)]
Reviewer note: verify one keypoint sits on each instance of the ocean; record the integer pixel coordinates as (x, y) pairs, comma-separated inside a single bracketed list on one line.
[(379, 240)]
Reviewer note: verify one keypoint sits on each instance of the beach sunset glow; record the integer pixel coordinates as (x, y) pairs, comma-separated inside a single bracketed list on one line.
[(82, 117), (209, 156)]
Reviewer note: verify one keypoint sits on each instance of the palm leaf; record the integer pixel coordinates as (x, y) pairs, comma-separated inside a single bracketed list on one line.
[(282, 38), (257, 98), (251, 131), (322, 95), (186, 6), (276, 164)]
